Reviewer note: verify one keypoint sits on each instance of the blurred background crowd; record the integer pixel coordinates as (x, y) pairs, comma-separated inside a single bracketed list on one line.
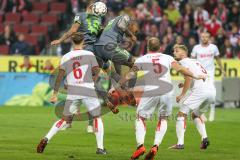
[(28, 26)]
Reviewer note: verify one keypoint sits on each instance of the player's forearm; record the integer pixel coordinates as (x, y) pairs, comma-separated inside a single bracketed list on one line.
[(186, 85), (186, 72), (58, 81), (66, 36)]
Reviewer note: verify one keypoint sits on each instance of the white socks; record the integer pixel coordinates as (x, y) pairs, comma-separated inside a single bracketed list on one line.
[(200, 125), (59, 125), (212, 112), (62, 124), (99, 131), (180, 129), (160, 131), (140, 131)]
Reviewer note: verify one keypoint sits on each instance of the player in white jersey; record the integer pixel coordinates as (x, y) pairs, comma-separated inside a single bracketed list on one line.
[(81, 68), (205, 53), (201, 94), (157, 72)]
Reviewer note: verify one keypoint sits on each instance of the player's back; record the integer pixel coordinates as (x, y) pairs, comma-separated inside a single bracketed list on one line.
[(78, 67), (111, 33), (156, 65), (90, 25), (196, 67)]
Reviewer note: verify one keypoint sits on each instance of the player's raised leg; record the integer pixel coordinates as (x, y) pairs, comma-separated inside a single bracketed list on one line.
[(57, 126)]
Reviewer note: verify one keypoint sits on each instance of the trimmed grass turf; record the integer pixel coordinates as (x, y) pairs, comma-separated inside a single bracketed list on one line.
[(22, 127)]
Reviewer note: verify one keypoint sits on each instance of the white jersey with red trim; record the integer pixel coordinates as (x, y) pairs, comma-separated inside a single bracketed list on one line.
[(196, 67), (153, 62), (78, 66), (205, 55)]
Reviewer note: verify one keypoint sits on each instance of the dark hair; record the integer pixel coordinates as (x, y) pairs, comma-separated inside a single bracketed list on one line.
[(77, 38), (153, 44)]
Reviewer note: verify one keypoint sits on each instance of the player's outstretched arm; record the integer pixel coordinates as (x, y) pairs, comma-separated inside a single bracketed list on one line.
[(66, 35), (186, 72), (57, 84)]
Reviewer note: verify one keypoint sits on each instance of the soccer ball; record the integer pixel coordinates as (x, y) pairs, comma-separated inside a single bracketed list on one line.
[(99, 9)]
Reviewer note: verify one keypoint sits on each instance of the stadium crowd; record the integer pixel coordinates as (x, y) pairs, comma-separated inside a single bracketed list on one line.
[(175, 21)]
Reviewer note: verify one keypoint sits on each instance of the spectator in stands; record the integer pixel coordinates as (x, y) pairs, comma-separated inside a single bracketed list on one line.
[(21, 6), (3, 6), (153, 31), (187, 33), (237, 50), (220, 38), (188, 15), (191, 43), (200, 16), (221, 12), (173, 14), (169, 34), (156, 12), (234, 15), (141, 12), (195, 3), (210, 5), (48, 68), (75, 6), (213, 25), (20, 47), (177, 40), (164, 45), (227, 49), (164, 24), (27, 66), (8, 36), (234, 36)]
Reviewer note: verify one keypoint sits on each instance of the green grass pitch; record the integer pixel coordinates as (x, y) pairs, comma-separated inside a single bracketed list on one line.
[(21, 128)]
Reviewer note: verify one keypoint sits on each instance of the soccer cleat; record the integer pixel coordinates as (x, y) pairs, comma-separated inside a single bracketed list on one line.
[(41, 146), (89, 129), (101, 151), (177, 146), (139, 152), (205, 143), (151, 154)]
